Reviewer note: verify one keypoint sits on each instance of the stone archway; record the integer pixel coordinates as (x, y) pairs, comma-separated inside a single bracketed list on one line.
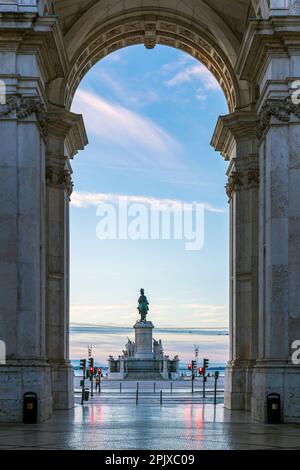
[(252, 50)]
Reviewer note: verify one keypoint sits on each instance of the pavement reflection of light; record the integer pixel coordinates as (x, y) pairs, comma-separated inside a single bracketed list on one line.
[(92, 416), (86, 413), (99, 415), (149, 426), (200, 417), (188, 420)]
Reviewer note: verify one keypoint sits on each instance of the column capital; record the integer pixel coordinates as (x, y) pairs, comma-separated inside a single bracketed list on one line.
[(22, 107), (58, 173), (243, 174), (240, 125), (69, 127), (276, 111)]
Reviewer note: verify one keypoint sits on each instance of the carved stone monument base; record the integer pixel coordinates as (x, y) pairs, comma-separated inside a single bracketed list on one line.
[(143, 359)]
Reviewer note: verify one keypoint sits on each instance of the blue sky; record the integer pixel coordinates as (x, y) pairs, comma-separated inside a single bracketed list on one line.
[(149, 116)]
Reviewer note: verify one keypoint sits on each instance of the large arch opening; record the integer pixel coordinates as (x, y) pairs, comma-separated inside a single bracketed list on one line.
[(251, 48), (206, 34), (201, 31), (171, 97)]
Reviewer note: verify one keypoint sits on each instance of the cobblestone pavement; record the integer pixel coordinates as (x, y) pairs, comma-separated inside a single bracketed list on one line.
[(184, 424)]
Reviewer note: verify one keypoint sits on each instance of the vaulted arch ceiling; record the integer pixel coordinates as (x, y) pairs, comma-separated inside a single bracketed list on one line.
[(225, 20), (209, 30)]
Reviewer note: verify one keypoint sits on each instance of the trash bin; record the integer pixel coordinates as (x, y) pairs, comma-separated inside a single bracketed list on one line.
[(86, 395), (273, 408), (30, 408)]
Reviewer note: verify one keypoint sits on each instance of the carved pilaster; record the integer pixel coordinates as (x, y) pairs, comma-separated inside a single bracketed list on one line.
[(58, 175), (66, 136)]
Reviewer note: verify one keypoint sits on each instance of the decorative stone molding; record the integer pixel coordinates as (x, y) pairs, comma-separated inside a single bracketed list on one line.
[(9, 107), (25, 107), (261, 8), (253, 177), (235, 181), (245, 177), (19, 6), (69, 127), (280, 109), (233, 128), (59, 178), (150, 35), (151, 31)]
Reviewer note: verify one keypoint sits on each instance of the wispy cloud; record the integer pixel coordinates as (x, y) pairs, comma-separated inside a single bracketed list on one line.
[(179, 63), (133, 93), (195, 72), (169, 315), (97, 313), (85, 200), (133, 134)]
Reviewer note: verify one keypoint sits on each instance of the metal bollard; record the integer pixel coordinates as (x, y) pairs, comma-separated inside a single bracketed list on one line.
[(137, 396), (171, 387), (120, 387), (215, 388), (215, 393), (161, 397), (154, 387)]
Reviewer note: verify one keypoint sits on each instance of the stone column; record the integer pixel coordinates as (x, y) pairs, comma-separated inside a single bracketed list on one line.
[(277, 44), (235, 137), (32, 55), (64, 128), (22, 252), (279, 270)]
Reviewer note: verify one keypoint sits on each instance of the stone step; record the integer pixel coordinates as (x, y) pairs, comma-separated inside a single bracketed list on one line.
[(143, 376)]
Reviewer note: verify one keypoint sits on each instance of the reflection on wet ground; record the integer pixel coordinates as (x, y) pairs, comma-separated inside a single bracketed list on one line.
[(187, 425)]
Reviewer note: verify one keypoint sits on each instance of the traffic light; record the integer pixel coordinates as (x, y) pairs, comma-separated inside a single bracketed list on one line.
[(217, 373), (205, 364), (193, 365), (91, 365), (201, 371), (99, 371), (82, 364), (189, 366)]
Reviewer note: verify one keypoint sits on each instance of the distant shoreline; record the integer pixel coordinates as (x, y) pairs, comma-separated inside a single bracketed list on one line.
[(120, 327), (110, 340)]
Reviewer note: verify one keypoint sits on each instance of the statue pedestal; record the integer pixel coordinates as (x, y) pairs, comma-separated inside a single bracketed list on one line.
[(142, 361), (143, 340)]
